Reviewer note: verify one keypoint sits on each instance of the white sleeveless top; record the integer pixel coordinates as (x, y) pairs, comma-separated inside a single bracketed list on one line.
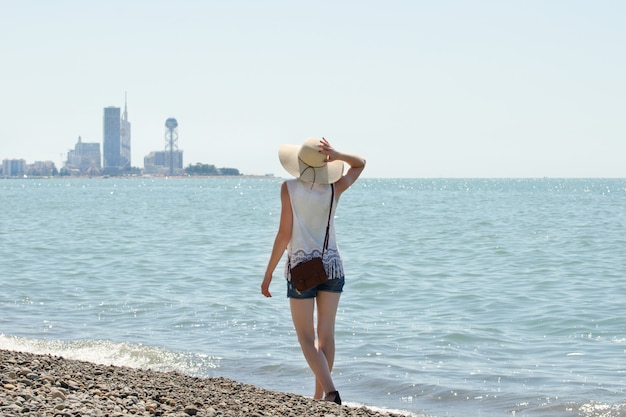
[(310, 205)]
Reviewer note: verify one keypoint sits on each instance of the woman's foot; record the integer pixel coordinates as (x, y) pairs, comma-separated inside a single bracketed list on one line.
[(334, 397)]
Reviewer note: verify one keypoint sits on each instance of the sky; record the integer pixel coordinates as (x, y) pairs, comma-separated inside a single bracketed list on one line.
[(421, 89)]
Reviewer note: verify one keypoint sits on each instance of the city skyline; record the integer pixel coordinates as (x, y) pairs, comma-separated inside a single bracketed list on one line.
[(115, 159)]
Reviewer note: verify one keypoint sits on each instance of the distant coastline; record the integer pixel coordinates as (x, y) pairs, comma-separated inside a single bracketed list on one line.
[(145, 176)]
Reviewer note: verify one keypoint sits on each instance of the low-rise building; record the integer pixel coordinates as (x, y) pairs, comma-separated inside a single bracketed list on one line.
[(84, 159), (158, 162), (41, 169), (13, 167)]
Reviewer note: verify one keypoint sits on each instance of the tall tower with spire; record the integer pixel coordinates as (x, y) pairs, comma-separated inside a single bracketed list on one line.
[(125, 161)]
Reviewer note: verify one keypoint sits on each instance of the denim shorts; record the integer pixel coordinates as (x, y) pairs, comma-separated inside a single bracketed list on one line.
[(332, 285)]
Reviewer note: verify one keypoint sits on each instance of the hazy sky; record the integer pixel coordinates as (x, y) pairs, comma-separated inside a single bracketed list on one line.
[(420, 88)]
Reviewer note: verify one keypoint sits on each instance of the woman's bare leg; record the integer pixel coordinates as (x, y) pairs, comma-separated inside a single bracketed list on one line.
[(327, 304), (302, 315)]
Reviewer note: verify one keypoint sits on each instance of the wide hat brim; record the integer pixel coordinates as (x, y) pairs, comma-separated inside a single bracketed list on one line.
[(305, 162)]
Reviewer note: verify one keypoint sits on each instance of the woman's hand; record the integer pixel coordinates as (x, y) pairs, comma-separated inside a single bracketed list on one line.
[(265, 286), (327, 150)]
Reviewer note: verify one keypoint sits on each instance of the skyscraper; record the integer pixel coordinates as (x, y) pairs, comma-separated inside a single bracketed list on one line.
[(111, 145), (125, 161)]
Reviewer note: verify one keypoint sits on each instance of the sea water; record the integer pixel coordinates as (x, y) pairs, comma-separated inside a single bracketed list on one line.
[(475, 297)]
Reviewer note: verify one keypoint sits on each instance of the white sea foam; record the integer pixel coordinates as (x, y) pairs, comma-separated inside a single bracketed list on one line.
[(109, 353)]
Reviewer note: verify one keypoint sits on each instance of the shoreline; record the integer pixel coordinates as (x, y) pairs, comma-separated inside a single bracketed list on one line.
[(41, 385), (143, 176)]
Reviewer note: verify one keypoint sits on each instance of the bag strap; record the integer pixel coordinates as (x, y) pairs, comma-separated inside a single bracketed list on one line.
[(330, 213)]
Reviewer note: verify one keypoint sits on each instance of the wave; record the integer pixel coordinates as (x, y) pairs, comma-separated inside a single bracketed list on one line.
[(105, 352)]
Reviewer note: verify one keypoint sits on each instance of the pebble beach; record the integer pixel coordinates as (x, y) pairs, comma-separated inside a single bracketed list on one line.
[(46, 385)]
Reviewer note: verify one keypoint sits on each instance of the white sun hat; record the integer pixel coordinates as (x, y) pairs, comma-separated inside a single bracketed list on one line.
[(307, 163)]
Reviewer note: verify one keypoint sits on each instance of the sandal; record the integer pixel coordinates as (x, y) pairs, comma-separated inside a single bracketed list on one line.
[(336, 399)]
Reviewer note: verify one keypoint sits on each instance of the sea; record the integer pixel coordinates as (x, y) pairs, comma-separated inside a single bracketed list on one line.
[(463, 297)]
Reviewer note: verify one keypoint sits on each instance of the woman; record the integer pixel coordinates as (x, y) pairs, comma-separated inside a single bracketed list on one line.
[(306, 202)]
